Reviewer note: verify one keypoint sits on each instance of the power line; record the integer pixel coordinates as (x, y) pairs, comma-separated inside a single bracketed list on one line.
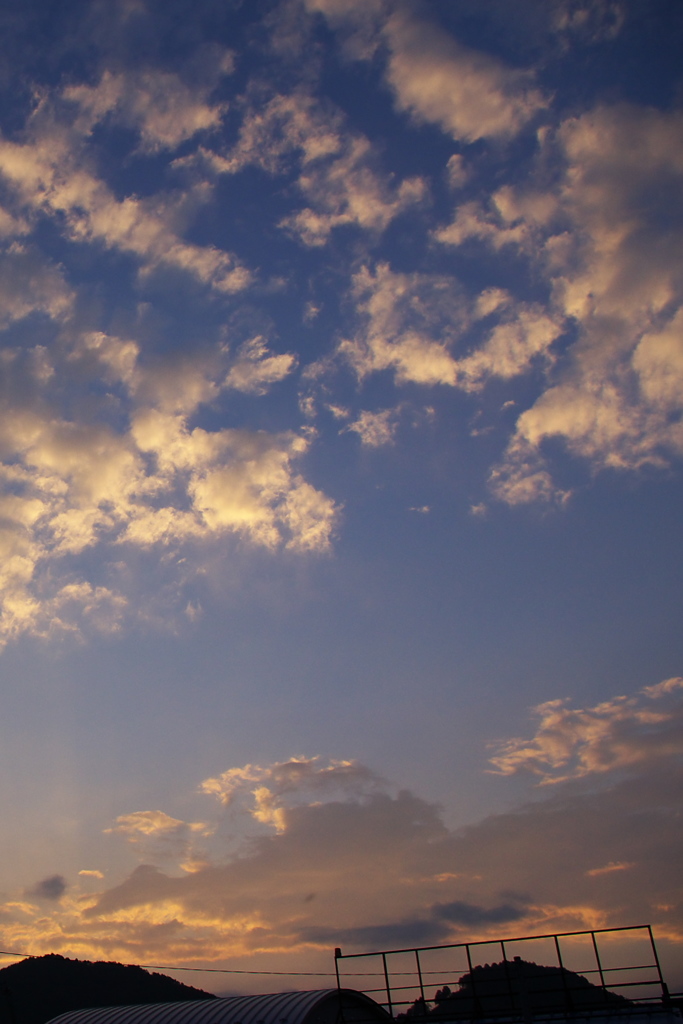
[(199, 970), (235, 970)]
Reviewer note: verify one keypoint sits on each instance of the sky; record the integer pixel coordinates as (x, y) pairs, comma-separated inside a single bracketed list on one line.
[(341, 444)]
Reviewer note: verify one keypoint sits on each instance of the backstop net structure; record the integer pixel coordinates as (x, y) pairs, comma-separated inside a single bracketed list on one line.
[(567, 974)]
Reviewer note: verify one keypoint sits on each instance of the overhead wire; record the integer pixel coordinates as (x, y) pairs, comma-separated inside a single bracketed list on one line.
[(200, 970), (234, 970)]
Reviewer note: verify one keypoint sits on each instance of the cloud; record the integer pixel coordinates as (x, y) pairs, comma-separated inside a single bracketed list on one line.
[(594, 20), (511, 347), (234, 480), (617, 275), (79, 484), (457, 172), (403, 316), (620, 733), (163, 108), (152, 823), (270, 790), (49, 174), (412, 931), (277, 127), (51, 888), (99, 606), (608, 241), (523, 477), (338, 175), (628, 264), (117, 357), (375, 429), (159, 837), (348, 191), (510, 218), (432, 926), (412, 324), (470, 94), (658, 363), (355, 846), (609, 868), (470, 914), (31, 284), (364, 859), (385, 869), (256, 368)]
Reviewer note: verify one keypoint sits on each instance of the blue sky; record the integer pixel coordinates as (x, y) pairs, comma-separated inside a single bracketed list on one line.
[(342, 366)]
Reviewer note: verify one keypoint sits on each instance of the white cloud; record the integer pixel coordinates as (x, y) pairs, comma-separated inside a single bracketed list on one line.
[(348, 191), (49, 174), (152, 823), (338, 175), (73, 485), (402, 314), (159, 105), (235, 480), (523, 477), (620, 733), (117, 357), (511, 347), (273, 130), (375, 428), (470, 94), (160, 838), (457, 173), (272, 791), (412, 325), (617, 273), (472, 221), (30, 284), (99, 606), (658, 362), (256, 368)]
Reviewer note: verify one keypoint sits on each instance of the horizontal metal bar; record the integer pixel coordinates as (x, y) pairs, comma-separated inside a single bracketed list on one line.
[(486, 942), (446, 973)]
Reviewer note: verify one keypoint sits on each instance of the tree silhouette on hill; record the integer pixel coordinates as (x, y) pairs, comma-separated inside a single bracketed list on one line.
[(34, 991), (516, 987)]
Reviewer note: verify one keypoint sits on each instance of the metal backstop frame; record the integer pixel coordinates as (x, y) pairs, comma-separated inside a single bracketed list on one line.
[(401, 977)]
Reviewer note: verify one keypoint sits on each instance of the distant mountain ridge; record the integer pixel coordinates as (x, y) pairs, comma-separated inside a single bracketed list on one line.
[(34, 991)]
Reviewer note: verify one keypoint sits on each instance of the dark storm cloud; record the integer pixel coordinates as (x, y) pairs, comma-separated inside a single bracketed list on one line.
[(459, 912), (51, 888), (434, 928), (396, 935)]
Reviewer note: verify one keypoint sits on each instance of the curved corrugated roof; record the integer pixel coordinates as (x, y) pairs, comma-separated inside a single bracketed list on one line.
[(321, 1006)]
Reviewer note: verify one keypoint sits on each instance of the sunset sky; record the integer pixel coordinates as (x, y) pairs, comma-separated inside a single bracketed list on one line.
[(341, 451)]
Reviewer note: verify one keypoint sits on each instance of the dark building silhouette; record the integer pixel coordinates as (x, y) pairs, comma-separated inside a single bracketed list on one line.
[(324, 1006)]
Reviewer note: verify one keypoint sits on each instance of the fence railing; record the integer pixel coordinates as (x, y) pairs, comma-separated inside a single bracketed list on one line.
[(539, 976)]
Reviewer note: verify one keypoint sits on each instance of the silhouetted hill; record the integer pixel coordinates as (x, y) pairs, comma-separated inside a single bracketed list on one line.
[(36, 990), (518, 987)]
